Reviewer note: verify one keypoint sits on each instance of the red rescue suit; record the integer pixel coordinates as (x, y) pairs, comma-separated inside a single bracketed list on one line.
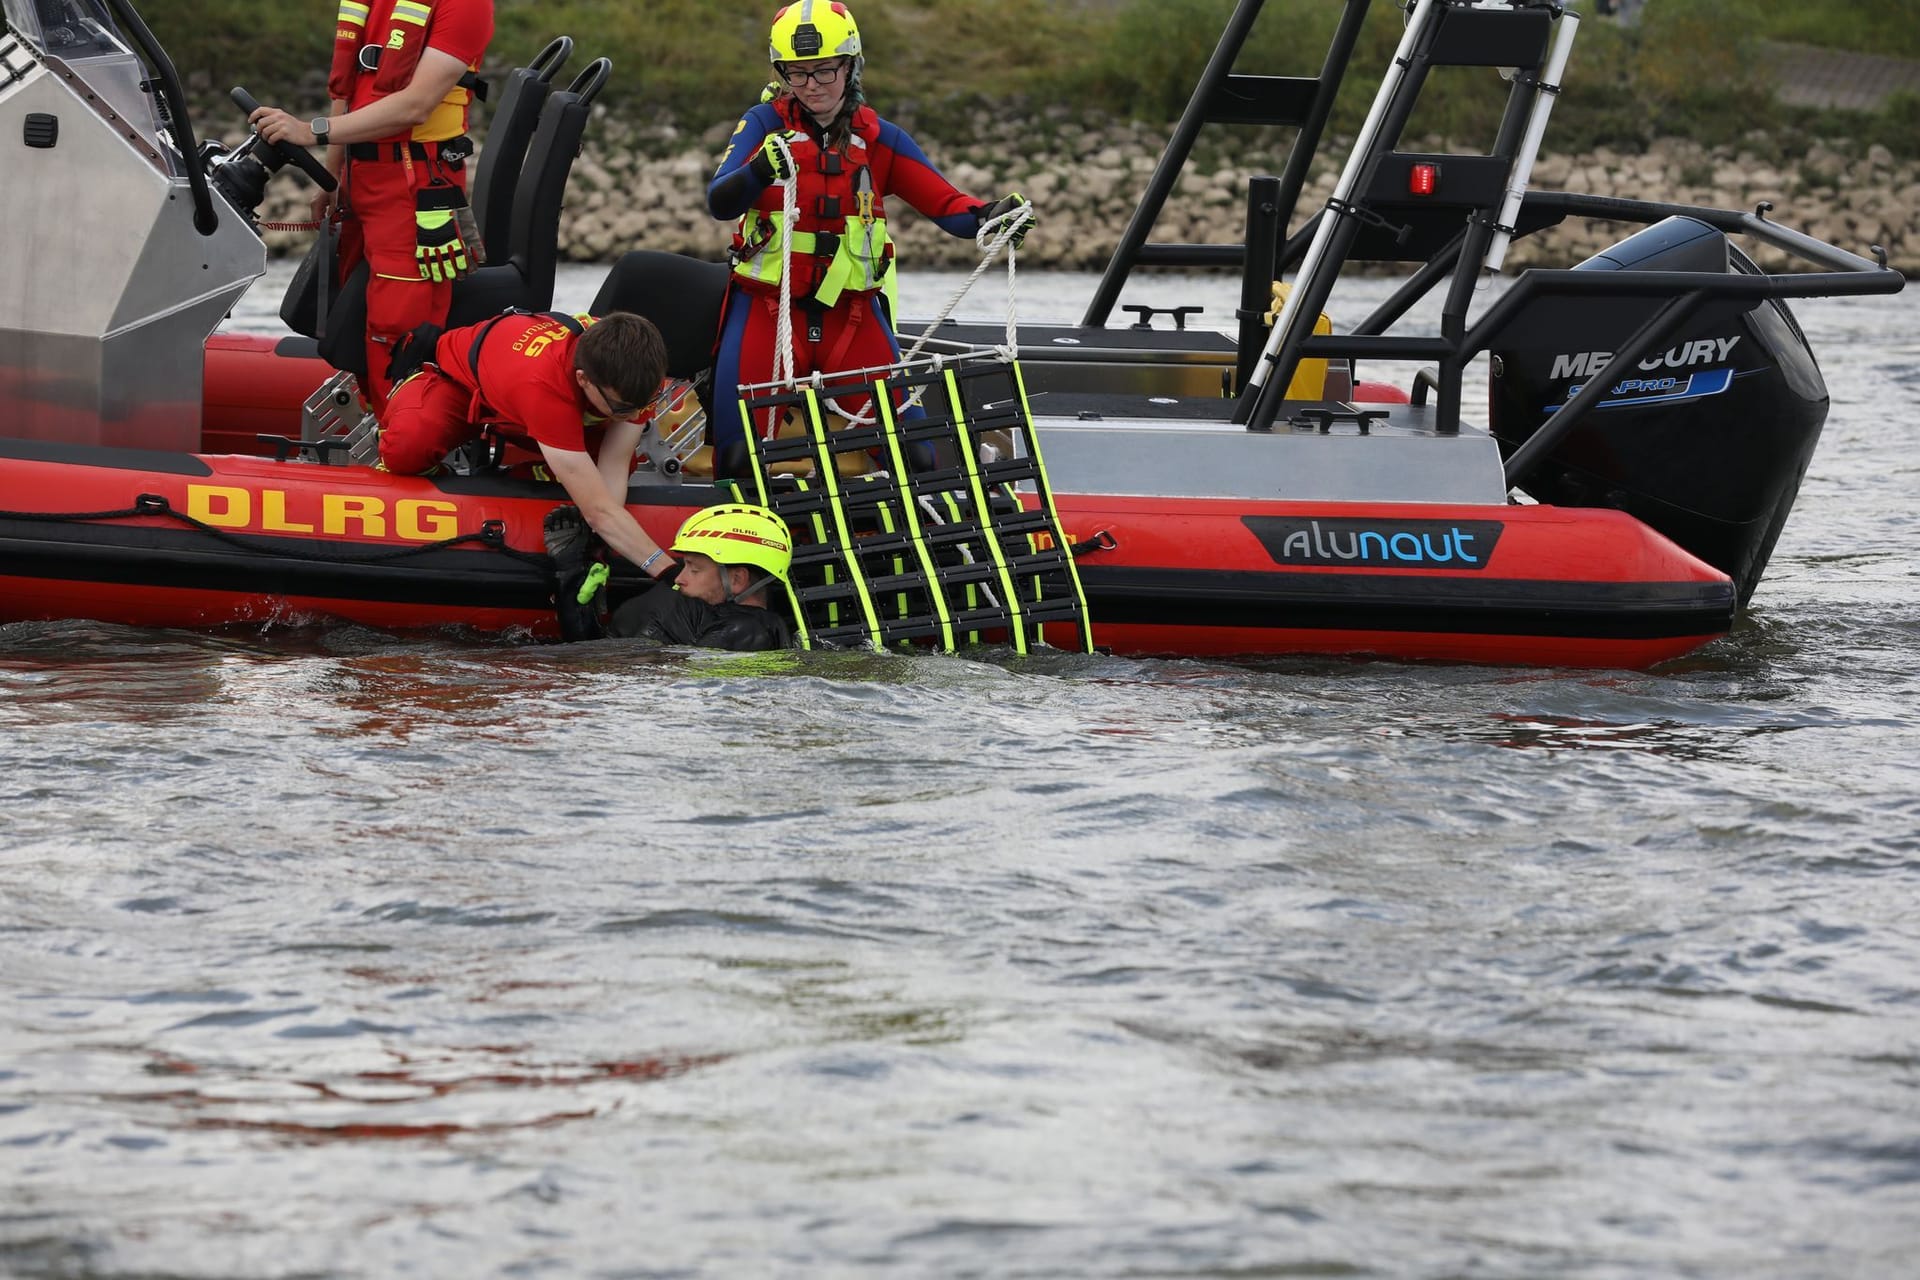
[(842, 254), (377, 48), (513, 373)]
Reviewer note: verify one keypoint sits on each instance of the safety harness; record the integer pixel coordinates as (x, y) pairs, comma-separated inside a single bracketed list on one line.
[(831, 194)]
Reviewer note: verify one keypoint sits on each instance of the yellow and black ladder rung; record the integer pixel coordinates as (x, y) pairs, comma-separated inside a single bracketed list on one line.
[(855, 439), (832, 592), (787, 449), (959, 575), (1027, 522), (936, 546), (1036, 564), (843, 636), (897, 582), (929, 427), (981, 622), (941, 535), (937, 481), (809, 555), (1009, 471), (873, 491), (903, 630), (813, 502), (885, 542)]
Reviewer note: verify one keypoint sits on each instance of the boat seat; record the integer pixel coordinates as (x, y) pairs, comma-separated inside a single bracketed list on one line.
[(496, 171), (525, 277), (681, 295)]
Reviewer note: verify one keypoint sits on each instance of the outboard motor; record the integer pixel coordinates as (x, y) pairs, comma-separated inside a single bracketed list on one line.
[(1706, 440)]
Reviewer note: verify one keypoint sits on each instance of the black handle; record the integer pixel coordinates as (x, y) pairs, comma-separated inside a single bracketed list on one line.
[(298, 156)]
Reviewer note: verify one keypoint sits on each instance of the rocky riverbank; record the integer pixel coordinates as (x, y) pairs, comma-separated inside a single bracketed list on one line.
[(632, 187)]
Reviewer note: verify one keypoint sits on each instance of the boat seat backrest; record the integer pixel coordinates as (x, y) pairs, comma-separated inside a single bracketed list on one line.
[(533, 247), (681, 295), (510, 127)]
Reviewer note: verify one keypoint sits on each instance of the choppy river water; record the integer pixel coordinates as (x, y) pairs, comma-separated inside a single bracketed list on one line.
[(338, 953)]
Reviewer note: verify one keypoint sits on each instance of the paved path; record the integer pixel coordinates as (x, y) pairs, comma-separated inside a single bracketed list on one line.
[(1826, 78)]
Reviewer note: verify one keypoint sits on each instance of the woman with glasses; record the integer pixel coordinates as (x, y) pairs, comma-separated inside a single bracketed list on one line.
[(814, 132)]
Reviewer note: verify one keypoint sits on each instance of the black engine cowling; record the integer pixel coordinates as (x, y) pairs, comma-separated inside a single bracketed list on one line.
[(1706, 440)]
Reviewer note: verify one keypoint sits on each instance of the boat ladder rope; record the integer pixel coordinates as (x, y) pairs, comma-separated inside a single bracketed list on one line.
[(491, 535), (990, 238)]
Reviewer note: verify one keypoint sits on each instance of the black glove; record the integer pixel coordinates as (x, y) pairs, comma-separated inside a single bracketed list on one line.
[(571, 542), (769, 165), (1005, 205)]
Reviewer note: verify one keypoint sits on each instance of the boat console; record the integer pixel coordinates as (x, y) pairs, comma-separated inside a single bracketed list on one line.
[(117, 260)]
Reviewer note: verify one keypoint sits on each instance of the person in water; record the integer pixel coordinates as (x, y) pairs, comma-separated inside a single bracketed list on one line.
[(402, 77), (734, 563), (814, 137), (571, 388)]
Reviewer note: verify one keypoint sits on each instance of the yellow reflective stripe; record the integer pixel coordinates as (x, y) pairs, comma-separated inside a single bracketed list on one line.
[(856, 263), (409, 11), (353, 13)]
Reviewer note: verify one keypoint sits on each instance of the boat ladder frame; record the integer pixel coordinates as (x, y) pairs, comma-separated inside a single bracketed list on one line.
[(1375, 217)]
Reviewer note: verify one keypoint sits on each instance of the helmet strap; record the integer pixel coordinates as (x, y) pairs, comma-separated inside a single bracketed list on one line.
[(753, 587)]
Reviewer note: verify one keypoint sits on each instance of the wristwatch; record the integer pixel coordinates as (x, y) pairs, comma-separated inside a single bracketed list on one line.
[(320, 126)]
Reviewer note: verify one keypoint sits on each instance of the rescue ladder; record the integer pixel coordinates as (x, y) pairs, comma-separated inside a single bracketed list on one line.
[(941, 546)]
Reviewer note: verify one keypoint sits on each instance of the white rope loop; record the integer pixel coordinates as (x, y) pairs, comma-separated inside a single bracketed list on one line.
[(993, 235), (783, 361)]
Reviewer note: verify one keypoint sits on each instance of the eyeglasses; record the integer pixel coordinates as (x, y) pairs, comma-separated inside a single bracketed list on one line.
[(797, 76), (616, 408)]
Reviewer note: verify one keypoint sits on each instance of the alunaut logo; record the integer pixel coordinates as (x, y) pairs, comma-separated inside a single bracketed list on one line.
[(1377, 544)]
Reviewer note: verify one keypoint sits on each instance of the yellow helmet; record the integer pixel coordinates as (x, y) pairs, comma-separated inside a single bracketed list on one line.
[(738, 533), (809, 29)]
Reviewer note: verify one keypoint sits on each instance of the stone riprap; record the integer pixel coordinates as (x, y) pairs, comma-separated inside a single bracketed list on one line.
[(1085, 183)]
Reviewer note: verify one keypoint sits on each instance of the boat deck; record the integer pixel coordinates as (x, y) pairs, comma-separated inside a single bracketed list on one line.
[(1164, 446)]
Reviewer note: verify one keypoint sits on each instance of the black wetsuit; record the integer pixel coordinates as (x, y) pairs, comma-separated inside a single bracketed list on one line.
[(664, 616)]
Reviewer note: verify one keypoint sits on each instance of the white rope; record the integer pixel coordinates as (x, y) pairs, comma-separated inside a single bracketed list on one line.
[(783, 359), (993, 235)]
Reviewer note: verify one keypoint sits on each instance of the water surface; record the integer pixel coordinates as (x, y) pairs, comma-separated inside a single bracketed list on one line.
[(338, 953)]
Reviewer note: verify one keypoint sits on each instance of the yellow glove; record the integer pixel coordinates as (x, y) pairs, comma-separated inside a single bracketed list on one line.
[(438, 245), (441, 252), (769, 163)]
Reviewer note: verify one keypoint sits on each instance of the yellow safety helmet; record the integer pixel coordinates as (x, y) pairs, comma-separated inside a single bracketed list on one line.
[(812, 29), (738, 533)]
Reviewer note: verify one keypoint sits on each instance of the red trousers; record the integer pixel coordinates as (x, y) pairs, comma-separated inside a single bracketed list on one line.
[(425, 418), (853, 335), (378, 199)]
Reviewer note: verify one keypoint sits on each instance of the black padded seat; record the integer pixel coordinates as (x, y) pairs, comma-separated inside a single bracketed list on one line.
[(510, 128), (681, 295)]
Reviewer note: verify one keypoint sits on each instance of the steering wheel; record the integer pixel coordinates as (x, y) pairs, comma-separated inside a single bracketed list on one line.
[(286, 151)]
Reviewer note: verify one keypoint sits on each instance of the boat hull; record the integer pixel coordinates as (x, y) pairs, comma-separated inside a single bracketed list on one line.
[(199, 540)]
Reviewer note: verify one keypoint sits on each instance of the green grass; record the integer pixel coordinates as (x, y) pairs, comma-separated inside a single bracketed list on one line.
[(1690, 67)]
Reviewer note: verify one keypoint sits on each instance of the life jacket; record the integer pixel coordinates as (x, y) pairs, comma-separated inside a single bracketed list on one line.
[(840, 240), (399, 28)]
